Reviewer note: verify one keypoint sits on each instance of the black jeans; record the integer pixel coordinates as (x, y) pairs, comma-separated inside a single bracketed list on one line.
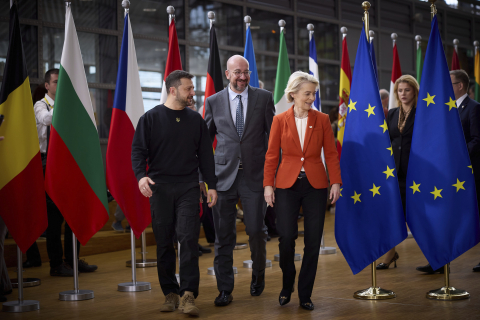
[(174, 208), (287, 204)]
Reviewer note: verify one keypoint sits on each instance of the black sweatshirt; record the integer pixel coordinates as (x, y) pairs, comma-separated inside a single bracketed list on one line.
[(175, 143)]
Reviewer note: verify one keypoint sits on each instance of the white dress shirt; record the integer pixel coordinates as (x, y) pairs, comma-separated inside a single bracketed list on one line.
[(460, 100), (43, 117), (234, 102), (301, 128)]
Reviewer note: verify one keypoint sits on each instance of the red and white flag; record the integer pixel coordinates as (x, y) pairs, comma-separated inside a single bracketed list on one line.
[(174, 62), (396, 73), (455, 60)]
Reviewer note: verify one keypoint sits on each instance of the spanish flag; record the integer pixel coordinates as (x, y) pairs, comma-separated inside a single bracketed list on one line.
[(477, 74), (344, 93), (22, 195)]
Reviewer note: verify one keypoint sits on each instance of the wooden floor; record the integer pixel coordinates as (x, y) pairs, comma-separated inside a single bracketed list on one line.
[(332, 295)]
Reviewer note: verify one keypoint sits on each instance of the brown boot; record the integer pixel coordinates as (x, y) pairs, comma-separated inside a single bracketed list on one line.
[(187, 304), (171, 302)]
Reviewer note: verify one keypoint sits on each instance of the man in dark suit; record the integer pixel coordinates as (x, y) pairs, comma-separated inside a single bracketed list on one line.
[(240, 117), (469, 111)]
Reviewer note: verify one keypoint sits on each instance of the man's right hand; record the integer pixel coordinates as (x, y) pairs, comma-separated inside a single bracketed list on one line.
[(144, 186)]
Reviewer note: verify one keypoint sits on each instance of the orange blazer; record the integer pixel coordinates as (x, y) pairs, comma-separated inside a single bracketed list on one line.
[(284, 136)]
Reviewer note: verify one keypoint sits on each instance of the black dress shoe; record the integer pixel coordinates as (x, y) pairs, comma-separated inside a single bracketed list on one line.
[(257, 285), (62, 270), (285, 296), (203, 249), (29, 264), (223, 299), (84, 267), (428, 269), (476, 268), (307, 304)]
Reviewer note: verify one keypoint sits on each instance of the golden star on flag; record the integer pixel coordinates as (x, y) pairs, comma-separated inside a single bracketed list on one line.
[(436, 193), (370, 110), (389, 172), (384, 126), (415, 187), (459, 185), (375, 190), (451, 104), (391, 151), (429, 99), (356, 197), (471, 168), (351, 106), (341, 192)]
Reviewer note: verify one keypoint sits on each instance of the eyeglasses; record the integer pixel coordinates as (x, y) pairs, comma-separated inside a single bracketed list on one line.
[(456, 82), (239, 73)]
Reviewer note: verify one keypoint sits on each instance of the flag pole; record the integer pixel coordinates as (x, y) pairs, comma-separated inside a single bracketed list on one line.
[(455, 45), (418, 38), (371, 33), (171, 14), (447, 292), (374, 292), (419, 66), (394, 37), (20, 305), (143, 262)]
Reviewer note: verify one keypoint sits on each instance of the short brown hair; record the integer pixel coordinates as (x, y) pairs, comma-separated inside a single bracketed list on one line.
[(462, 76), (406, 78), (49, 73), (174, 79)]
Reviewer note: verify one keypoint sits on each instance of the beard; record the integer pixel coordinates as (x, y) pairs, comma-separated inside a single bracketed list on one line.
[(240, 85), (184, 101)]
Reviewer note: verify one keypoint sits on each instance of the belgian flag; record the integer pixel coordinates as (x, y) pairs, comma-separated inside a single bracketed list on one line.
[(22, 193)]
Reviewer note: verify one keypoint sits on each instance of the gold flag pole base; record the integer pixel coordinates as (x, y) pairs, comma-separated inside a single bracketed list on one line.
[(374, 292), (447, 292)]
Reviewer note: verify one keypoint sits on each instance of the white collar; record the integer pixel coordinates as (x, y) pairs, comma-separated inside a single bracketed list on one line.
[(233, 95), (50, 100), (460, 100)]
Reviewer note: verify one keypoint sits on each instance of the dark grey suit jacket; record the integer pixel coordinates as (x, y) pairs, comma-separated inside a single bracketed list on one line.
[(254, 143), (470, 116)]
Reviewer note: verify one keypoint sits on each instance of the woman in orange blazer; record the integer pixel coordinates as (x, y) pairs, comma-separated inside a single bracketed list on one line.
[(300, 181)]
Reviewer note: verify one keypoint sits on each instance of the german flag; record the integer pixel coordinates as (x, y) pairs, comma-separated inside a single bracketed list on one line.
[(22, 194), (344, 93)]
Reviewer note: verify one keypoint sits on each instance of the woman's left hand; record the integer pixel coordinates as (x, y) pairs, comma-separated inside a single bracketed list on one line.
[(335, 192)]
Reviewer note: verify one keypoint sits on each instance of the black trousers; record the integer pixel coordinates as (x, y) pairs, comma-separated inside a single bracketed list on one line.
[(225, 216), (54, 237), (287, 204), (174, 208)]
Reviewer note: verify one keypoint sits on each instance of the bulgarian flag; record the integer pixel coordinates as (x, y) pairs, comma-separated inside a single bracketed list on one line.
[(127, 109), (477, 74), (396, 73), (344, 94), (283, 73), (22, 195), (174, 62), (75, 179)]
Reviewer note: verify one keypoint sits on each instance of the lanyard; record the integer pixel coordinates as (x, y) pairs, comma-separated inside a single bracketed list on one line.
[(48, 104)]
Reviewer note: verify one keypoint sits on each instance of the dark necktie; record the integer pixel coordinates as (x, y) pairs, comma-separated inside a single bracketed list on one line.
[(239, 117)]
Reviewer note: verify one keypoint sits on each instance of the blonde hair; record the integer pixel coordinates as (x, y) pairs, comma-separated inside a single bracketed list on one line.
[(296, 80), (412, 82)]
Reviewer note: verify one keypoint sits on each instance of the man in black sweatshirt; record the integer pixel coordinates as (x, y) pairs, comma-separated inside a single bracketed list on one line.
[(173, 140)]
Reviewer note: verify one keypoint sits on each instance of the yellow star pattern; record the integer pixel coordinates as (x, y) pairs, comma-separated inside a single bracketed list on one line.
[(370, 110), (384, 125), (389, 172), (415, 187), (356, 197), (341, 192), (459, 185), (351, 106), (391, 151), (471, 168), (375, 190), (451, 104), (429, 99), (436, 193)]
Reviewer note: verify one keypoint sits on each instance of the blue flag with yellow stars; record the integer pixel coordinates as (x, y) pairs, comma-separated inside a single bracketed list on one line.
[(369, 217), (442, 208)]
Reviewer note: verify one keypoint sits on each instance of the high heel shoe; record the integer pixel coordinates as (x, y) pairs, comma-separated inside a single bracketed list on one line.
[(307, 304), (382, 265), (285, 296)]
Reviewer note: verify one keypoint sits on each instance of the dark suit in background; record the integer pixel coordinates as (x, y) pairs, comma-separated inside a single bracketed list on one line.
[(401, 144), (234, 182)]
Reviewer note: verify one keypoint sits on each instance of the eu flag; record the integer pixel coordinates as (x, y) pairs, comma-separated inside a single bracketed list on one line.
[(369, 218), (249, 54), (442, 209)]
